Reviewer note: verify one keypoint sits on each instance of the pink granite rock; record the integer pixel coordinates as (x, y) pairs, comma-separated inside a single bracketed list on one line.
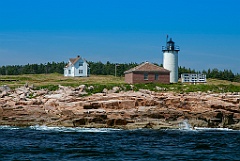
[(65, 107)]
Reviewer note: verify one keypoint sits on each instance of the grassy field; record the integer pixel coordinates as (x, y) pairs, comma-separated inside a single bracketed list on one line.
[(39, 80), (51, 81)]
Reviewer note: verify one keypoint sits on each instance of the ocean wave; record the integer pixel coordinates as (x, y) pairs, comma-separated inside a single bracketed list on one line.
[(206, 129), (8, 127), (71, 129), (212, 129), (184, 125), (80, 129)]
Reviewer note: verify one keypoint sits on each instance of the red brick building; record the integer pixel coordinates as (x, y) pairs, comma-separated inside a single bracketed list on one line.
[(147, 73)]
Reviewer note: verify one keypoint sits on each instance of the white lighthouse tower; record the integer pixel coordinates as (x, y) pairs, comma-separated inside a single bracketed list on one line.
[(170, 60)]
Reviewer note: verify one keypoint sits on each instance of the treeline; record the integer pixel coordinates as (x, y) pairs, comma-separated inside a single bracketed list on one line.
[(32, 68), (223, 75), (96, 68), (99, 68)]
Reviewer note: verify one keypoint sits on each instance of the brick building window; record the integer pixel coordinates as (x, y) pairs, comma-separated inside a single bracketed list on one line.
[(156, 76), (145, 76)]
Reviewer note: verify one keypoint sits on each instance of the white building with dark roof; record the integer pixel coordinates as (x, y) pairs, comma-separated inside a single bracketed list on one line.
[(193, 78), (77, 67)]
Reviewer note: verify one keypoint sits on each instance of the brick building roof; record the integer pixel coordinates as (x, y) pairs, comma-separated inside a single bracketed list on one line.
[(147, 67)]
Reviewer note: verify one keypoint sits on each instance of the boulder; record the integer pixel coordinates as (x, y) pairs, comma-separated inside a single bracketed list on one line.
[(160, 88), (82, 88), (90, 88), (115, 89), (22, 90), (54, 96), (105, 90), (3, 94), (5, 88)]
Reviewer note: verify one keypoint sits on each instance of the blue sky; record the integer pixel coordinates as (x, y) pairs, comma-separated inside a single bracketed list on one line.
[(121, 31)]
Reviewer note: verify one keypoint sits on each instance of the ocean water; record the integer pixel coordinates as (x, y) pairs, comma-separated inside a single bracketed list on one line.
[(55, 143)]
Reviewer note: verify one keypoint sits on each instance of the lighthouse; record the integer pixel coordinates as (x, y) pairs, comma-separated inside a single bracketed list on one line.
[(170, 59)]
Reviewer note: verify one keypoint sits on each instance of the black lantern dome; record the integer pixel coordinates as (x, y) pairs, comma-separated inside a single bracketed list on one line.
[(170, 46)]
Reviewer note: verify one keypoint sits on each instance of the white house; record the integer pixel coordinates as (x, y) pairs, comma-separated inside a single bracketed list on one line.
[(193, 78), (77, 67)]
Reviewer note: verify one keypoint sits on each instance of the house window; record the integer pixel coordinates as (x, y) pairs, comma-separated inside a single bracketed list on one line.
[(80, 63), (69, 71), (156, 76), (145, 76), (80, 71)]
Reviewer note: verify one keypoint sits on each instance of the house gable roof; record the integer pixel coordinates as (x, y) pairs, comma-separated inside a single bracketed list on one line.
[(147, 67), (72, 61)]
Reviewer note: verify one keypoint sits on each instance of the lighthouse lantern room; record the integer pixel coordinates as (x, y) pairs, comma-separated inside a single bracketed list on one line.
[(170, 59)]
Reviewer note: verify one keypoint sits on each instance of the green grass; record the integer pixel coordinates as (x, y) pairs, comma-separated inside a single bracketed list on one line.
[(56, 79), (51, 82), (49, 87)]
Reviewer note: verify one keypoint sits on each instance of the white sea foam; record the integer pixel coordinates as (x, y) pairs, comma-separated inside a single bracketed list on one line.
[(8, 127), (184, 125), (211, 129), (70, 129)]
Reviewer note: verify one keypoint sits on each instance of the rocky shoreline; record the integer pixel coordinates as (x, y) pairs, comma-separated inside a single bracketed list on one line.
[(69, 107)]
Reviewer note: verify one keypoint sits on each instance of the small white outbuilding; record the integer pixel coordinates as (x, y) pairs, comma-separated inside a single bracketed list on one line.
[(77, 67), (193, 78)]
